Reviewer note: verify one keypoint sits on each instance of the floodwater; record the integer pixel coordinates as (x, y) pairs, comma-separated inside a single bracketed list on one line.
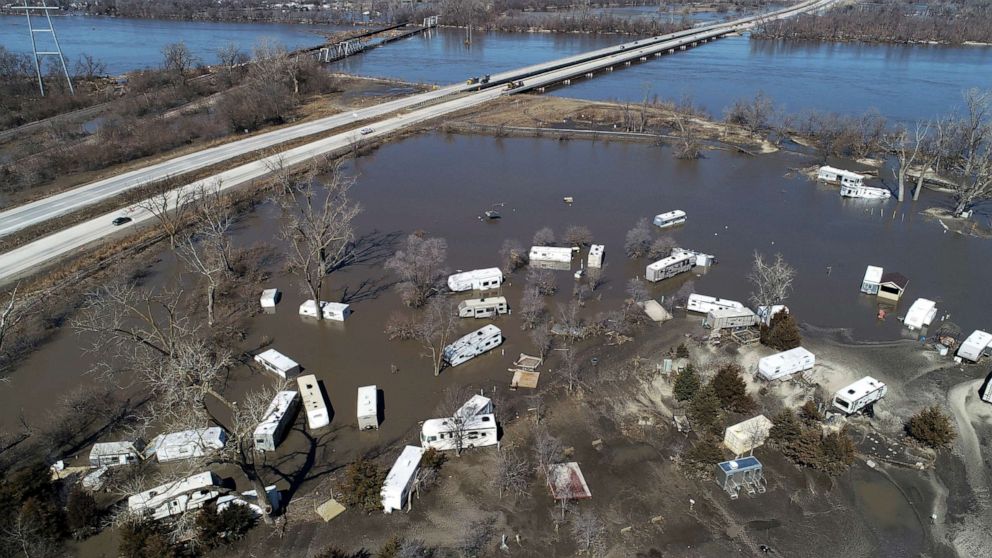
[(441, 184), (895, 519), (131, 44)]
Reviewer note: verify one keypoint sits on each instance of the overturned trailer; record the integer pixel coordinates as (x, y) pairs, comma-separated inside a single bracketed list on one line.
[(176, 497), (484, 339), (188, 444), (400, 482), (476, 280)]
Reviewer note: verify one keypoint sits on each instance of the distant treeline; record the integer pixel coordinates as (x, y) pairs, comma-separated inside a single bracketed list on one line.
[(890, 21)]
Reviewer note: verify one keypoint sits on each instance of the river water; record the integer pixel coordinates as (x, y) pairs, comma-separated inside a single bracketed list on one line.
[(130, 44)]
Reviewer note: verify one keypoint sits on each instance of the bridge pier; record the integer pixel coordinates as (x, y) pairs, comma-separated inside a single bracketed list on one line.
[(627, 63), (682, 47), (567, 82), (644, 59), (610, 69), (657, 55), (540, 90), (589, 75), (671, 51)]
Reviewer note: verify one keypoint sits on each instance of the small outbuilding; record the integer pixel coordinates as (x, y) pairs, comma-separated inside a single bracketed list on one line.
[(336, 311), (269, 298), (278, 363), (109, 454), (368, 408), (892, 286), (741, 474), (730, 318), (744, 437), (872, 280), (400, 481)]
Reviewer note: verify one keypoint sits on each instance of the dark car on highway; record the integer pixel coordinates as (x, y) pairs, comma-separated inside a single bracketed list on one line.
[(121, 220)]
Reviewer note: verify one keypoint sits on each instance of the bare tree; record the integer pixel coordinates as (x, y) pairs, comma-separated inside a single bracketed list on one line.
[(578, 235), (451, 403), (533, 310), (544, 280), (662, 247), (638, 240), (589, 533), (88, 67), (542, 339), (544, 237), (772, 281), (907, 149), (171, 208), (420, 265), (932, 152), (548, 450), (512, 473), (178, 59), (569, 369), (513, 254), (232, 58), (637, 290), (436, 329), (688, 146), (973, 158), (754, 115), (206, 251), (681, 296), (596, 277), (319, 227), (9, 317)]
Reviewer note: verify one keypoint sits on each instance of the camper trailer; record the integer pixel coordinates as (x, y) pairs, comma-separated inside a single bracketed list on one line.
[(785, 364), (483, 307), (920, 314), (892, 286), (595, 259), (706, 304), (859, 395), (476, 280), (269, 298), (177, 497), (730, 318), (109, 454), (475, 431), (864, 192), (840, 176), (313, 402), (399, 482), (765, 315), (669, 219), (748, 435), (278, 418), (278, 363), (701, 259), (550, 254), (336, 311), (977, 344), (669, 267), (475, 406), (872, 280), (486, 338), (188, 444), (368, 408)]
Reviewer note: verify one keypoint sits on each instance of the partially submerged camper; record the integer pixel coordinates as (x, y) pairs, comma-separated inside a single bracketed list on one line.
[(476, 280), (873, 279), (892, 286), (110, 454), (314, 402), (483, 307), (399, 483), (550, 254), (701, 259), (336, 311), (785, 364), (669, 219), (176, 497), (748, 435), (368, 408), (278, 363), (840, 176), (730, 318), (706, 304), (188, 444), (278, 418), (269, 298), (864, 192), (669, 267), (859, 395), (920, 314), (595, 259), (486, 338), (976, 345)]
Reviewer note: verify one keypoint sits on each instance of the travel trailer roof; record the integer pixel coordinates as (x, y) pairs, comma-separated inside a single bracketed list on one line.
[(841, 172), (920, 312), (859, 389), (367, 401), (873, 274), (279, 406)]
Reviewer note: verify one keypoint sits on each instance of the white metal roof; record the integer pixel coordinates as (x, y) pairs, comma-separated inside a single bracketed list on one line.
[(785, 358), (276, 360), (277, 409), (367, 401), (159, 495), (724, 312), (670, 215), (456, 281), (670, 260), (102, 449), (840, 172), (189, 443), (596, 249), (873, 274), (403, 470), (859, 389), (483, 302), (270, 294), (476, 405), (920, 312)]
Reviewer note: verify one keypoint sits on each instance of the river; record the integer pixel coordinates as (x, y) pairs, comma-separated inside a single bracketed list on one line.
[(130, 44)]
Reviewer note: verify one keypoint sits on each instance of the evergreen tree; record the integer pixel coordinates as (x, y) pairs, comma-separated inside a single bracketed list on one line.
[(782, 332), (704, 410), (731, 389), (686, 384), (932, 427)]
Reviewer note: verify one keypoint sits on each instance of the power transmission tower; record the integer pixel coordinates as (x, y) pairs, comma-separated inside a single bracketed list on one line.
[(38, 54)]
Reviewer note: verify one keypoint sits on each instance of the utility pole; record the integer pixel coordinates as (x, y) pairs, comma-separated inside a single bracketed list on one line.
[(38, 54)]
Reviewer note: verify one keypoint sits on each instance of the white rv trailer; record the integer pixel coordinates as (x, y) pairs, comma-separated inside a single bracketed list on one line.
[(920, 314), (395, 492), (476, 405), (975, 345), (278, 418), (840, 176), (702, 260), (476, 280), (859, 395), (269, 298), (550, 254), (336, 311), (864, 192), (176, 497), (109, 454), (475, 432), (278, 363), (706, 304), (872, 281), (785, 364), (730, 318), (368, 408), (669, 219), (486, 338), (483, 307), (313, 402), (595, 259), (765, 316), (669, 267), (188, 444)]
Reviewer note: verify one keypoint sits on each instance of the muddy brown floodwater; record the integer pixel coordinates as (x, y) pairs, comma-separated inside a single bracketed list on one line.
[(442, 183)]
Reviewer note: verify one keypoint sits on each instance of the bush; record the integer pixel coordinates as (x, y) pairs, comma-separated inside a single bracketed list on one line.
[(362, 485), (810, 413), (782, 333), (682, 351), (832, 454), (705, 410), (145, 539), (785, 429), (686, 384), (222, 527), (931, 427), (730, 388), (82, 513), (705, 453)]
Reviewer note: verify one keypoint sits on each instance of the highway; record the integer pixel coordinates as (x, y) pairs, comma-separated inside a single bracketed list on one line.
[(46, 250)]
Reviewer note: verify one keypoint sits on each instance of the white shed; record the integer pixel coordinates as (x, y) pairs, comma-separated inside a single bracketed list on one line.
[(368, 408), (975, 345), (595, 259), (786, 363), (314, 402), (743, 437), (269, 298), (109, 454), (400, 480), (872, 280), (337, 311), (920, 314), (278, 363), (476, 280), (188, 444), (278, 418)]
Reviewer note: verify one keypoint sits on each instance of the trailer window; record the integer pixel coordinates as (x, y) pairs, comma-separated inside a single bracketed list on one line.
[(841, 402)]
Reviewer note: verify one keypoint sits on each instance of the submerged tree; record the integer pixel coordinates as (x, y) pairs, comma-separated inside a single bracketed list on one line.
[(420, 267), (638, 240), (972, 161), (772, 281)]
